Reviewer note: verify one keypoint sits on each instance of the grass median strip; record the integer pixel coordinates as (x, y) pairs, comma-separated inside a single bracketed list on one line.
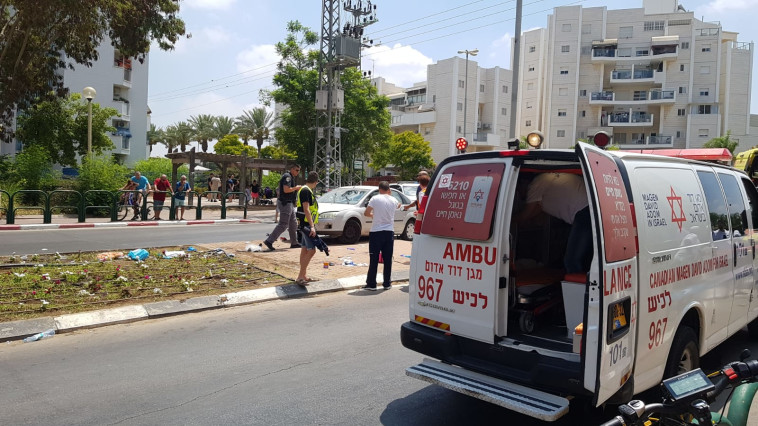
[(41, 285)]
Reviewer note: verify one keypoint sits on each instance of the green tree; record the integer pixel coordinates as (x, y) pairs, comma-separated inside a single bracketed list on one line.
[(60, 126), (155, 136), (231, 144), (203, 128), (39, 39), (244, 126), (154, 167), (222, 126), (262, 121), (365, 116), (276, 152), (723, 142), (100, 174), (407, 151), (179, 135), (34, 170)]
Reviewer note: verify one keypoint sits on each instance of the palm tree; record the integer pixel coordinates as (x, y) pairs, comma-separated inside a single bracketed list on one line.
[(170, 138), (203, 127), (223, 126), (154, 136), (179, 135), (263, 120), (244, 126)]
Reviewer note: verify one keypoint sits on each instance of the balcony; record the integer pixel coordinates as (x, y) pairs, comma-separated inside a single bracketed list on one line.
[(636, 98), (610, 53), (629, 119), (636, 76), (660, 140), (413, 119), (650, 142), (483, 126), (123, 109)]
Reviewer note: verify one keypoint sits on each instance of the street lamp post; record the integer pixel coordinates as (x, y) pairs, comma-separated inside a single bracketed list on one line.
[(473, 52), (89, 94)]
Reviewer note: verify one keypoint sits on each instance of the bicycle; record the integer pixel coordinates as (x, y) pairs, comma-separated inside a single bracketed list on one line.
[(687, 397), (126, 205)]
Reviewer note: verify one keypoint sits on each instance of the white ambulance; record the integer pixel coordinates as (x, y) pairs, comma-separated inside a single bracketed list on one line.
[(671, 276)]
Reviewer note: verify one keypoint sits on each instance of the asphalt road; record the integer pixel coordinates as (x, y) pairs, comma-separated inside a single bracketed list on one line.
[(330, 359), (91, 239)]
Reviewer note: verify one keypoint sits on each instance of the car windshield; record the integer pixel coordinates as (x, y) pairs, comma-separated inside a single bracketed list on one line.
[(410, 190), (343, 196)]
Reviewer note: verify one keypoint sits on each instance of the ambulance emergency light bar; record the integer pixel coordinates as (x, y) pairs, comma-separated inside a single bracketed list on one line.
[(719, 155)]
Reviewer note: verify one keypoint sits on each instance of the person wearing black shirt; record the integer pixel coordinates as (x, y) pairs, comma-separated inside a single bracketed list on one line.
[(285, 202)]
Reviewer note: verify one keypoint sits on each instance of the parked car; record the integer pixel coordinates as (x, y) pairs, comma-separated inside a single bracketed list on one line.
[(341, 213), (408, 188)]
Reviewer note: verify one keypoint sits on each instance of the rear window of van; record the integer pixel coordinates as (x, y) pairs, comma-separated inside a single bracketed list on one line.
[(462, 201)]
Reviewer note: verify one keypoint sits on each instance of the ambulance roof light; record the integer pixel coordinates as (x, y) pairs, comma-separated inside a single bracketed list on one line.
[(535, 139), (601, 139)]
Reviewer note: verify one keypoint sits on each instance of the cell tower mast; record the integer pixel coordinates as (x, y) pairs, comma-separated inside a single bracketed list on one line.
[(340, 49)]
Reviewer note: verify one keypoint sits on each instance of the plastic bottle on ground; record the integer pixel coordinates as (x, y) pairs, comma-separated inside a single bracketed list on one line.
[(40, 336)]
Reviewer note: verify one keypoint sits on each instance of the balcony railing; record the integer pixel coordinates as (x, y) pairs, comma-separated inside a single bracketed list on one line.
[(660, 140), (653, 51), (659, 95), (483, 126), (601, 96), (625, 117), (646, 96), (480, 137)]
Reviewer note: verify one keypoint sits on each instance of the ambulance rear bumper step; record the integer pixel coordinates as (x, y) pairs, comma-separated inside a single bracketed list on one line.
[(520, 399)]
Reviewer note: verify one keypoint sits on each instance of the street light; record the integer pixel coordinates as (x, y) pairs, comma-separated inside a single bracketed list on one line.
[(473, 52), (89, 94)]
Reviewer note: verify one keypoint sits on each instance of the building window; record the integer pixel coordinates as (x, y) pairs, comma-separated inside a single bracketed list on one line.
[(566, 28), (481, 88), (583, 93), (530, 86), (678, 134), (703, 133), (458, 129), (563, 91), (626, 32), (561, 113), (503, 111), (682, 89), (704, 92), (565, 48), (560, 133), (532, 49), (586, 28), (703, 109), (461, 84), (528, 105), (705, 69), (706, 48), (685, 45), (640, 95), (641, 51), (460, 106), (564, 71), (653, 25), (681, 67), (434, 99), (680, 112), (583, 113), (586, 50), (620, 138), (528, 123), (505, 89), (531, 68)]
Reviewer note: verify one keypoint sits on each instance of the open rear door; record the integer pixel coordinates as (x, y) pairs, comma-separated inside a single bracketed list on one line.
[(610, 322)]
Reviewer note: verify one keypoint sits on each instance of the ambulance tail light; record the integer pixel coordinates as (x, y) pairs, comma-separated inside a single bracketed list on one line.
[(420, 214), (578, 336)]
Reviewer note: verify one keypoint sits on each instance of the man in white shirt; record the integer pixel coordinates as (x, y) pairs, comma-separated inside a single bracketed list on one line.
[(563, 195), (381, 238)]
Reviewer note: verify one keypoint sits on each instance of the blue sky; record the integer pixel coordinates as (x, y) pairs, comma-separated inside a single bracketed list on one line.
[(231, 56)]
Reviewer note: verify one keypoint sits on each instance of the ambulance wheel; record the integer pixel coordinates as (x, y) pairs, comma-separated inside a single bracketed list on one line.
[(352, 232), (526, 322), (684, 355)]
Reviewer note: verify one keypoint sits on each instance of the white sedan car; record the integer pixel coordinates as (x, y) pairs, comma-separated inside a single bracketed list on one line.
[(341, 213), (408, 188)]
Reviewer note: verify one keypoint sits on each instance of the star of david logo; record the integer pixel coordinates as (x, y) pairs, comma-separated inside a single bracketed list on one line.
[(478, 195), (678, 200)]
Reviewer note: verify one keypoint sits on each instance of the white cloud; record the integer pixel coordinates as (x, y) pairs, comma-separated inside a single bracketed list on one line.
[(400, 65), (213, 36), (256, 57), (210, 4), (500, 52)]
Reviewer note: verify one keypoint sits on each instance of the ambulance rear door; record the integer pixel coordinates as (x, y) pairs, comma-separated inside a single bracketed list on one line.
[(609, 323)]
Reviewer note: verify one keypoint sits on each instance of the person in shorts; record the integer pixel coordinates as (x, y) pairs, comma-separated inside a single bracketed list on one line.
[(143, 186), (307, 215), (162, 186), (180, 195)]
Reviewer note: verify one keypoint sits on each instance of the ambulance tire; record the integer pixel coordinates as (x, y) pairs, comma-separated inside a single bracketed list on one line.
[(684, 354), (752, 329)]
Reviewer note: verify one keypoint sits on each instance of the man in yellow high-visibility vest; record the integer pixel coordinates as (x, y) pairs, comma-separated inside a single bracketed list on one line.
[(307, 214)]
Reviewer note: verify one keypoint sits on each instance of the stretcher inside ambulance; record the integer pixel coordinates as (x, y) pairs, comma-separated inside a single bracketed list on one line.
[(668, 275)]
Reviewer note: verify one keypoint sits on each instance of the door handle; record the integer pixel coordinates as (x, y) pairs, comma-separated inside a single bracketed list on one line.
[(734, 249), (752, 245)]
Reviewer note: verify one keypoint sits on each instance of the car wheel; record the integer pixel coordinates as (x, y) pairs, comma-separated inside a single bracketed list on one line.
[(684, 355), (352, 232), (410, 227)]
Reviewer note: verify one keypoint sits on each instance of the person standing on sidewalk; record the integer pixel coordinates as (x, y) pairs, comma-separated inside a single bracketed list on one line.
[(180, 194), (307, 214), (285, 203), (215, 185), (162, 186), (381, 240)]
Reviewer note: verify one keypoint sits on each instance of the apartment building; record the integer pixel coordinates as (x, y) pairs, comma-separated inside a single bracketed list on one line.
[(121, 83), (652, 77), (435, 108)]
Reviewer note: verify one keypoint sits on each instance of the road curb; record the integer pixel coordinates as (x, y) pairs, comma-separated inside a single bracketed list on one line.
[(17, 330), (38, 226)]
